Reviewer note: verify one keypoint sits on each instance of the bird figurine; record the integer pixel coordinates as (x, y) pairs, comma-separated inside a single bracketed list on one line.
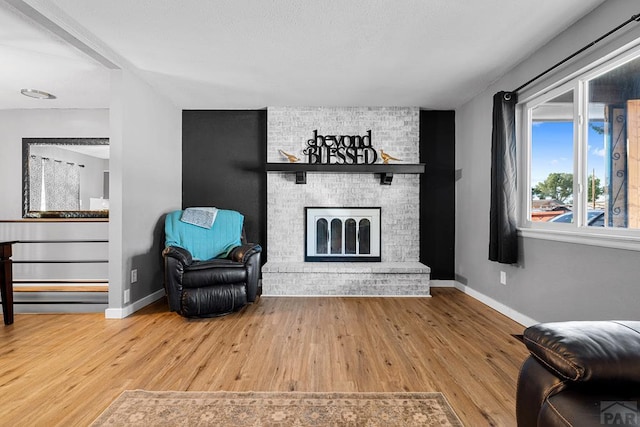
[(386, 157), (291, 157)]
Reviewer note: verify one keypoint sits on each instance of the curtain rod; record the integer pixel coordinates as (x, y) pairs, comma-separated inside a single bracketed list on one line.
[(578, 52)]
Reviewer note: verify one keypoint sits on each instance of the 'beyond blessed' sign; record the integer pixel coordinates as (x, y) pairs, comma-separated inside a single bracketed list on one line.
[(340, 149)]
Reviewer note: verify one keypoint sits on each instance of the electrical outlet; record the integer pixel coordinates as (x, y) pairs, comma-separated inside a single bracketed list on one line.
[(134, 275), (127, 296), (503, 278)]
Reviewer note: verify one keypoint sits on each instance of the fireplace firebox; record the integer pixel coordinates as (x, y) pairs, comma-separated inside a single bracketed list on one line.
[(342, 234)]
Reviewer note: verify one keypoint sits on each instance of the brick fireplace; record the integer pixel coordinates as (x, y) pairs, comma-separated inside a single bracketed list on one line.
[(398, 272)]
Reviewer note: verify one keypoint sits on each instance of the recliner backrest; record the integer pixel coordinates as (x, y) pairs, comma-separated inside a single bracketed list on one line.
[(205, 243)]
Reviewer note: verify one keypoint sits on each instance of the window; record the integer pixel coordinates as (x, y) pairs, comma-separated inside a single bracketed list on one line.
[(581, 160), (552, 165), (54, 184)]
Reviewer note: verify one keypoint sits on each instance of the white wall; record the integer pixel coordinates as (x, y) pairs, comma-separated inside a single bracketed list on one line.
[(47, 123), (554, 281), (145, 184), (50, 123)]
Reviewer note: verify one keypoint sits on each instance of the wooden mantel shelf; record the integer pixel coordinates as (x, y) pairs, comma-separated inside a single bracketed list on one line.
[(386, 171)]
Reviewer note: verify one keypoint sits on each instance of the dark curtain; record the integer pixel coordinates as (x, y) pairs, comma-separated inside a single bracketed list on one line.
[(503, 236)]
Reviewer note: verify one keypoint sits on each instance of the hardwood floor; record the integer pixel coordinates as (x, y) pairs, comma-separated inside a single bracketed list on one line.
[(66, 369)]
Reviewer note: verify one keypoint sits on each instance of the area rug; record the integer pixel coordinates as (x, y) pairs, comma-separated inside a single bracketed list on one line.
[(168, 408)]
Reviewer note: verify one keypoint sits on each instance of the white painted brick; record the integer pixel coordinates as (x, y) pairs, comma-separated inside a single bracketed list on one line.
[(393, 129)]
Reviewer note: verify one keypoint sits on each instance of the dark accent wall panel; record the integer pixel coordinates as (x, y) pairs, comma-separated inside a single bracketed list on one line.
[(437, 192), (223, 165)]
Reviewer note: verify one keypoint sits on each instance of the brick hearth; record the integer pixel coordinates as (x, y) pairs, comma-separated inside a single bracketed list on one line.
[(348, 278)]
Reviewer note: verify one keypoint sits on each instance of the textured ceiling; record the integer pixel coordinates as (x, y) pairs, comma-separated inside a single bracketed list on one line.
[(31, 58), (228, 54)]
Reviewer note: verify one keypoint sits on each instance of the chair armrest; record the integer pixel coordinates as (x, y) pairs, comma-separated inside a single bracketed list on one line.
[(584, 351), (244, 252), (250, 255), (175, 261), (181, 254)]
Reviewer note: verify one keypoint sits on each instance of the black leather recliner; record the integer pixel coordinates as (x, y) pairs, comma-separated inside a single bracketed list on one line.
[(580, 373), (212, 287)]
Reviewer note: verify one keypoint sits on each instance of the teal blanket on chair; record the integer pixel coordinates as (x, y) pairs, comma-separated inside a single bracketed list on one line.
[(205, 244)]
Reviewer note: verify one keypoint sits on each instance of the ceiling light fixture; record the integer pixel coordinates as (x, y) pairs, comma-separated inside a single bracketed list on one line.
[(33, 93)]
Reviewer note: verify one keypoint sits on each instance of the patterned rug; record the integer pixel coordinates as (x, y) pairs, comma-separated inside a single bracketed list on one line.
[(169, 408)]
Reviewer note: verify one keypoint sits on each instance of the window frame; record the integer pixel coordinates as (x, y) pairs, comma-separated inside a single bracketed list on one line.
[(578, 231)]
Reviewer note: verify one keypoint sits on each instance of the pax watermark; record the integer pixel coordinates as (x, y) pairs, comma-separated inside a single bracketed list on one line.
[(619, 413)]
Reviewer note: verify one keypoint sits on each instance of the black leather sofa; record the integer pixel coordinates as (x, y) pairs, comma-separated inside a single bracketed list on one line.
[(581, 373)]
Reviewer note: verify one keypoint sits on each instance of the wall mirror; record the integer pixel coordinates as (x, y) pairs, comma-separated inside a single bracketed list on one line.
[(65, 177)]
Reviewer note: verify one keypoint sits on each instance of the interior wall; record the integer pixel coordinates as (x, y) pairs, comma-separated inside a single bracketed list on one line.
[(553, 281), (227, 149), (437, 193), (48, 123), (145, 184), (224, 156), (38, 123)]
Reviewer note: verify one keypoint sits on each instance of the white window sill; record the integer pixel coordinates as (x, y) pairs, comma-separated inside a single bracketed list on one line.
[(583, 238)]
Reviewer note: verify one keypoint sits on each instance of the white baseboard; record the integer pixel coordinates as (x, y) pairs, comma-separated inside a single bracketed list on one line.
[(121, 313), (27, 308), (498, 306)]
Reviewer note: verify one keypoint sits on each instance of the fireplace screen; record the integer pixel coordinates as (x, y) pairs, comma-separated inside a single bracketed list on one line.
[(342, 234)]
